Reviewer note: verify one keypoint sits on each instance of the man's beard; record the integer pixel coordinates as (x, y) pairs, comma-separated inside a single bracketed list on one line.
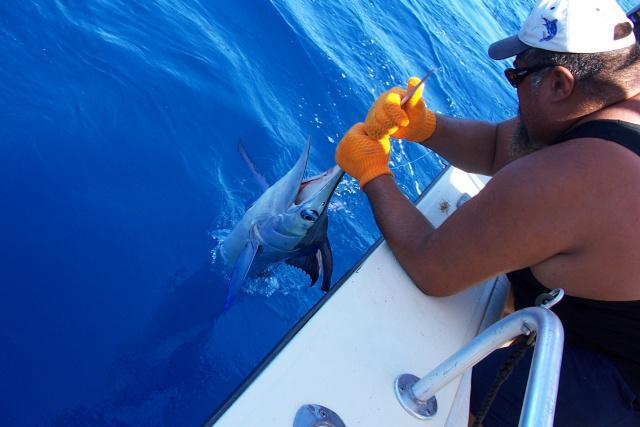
[(521, 143)]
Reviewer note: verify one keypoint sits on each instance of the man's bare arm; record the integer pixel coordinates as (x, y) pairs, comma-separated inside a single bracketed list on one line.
[(504, 228), (472, 145)]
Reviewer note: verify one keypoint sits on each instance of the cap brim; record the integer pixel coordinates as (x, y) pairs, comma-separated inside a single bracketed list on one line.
[(506, 48)]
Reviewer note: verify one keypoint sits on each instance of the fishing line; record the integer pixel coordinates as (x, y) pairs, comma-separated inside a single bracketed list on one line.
[(408, 163), (404, 101)]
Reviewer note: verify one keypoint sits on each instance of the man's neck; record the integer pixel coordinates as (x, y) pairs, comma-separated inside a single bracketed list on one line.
[(627, 110)]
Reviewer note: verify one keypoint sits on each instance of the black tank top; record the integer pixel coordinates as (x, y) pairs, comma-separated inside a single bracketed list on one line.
[(611, 327)]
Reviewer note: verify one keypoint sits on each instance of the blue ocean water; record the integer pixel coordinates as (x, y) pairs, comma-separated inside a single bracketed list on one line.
[(120, 177)]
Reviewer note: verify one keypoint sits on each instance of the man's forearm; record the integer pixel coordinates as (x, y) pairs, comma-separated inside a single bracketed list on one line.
[(471, 145), (403, 226)]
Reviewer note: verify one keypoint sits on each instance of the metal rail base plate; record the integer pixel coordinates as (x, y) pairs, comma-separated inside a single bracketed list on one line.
[(422, 409)]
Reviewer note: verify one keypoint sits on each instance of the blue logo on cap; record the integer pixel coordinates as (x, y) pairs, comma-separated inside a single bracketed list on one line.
[(552, 29)]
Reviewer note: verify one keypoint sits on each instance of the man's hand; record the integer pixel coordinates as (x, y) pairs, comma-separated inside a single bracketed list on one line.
[(412, 121), (386, 115), (363, 157)]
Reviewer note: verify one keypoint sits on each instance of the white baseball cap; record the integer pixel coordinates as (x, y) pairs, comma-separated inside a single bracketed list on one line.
[(573, 26)]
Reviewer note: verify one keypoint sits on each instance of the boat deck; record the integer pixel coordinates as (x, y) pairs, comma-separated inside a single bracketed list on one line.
[(372, 327)]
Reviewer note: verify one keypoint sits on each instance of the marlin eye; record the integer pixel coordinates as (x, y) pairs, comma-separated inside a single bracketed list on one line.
[(309, 215)]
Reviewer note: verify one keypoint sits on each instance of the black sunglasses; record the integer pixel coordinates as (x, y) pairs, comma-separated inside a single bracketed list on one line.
[(517, 75)]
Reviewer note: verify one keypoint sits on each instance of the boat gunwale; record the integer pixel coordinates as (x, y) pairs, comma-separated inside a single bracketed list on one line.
[(284, 341)]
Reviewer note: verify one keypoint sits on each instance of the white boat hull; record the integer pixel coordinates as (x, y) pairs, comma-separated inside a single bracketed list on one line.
[(371, 328)]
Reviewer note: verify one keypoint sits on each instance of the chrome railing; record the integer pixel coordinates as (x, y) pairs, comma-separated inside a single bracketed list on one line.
[(417, 396)]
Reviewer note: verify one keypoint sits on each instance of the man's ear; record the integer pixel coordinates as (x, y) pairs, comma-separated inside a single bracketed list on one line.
[(562, 84)]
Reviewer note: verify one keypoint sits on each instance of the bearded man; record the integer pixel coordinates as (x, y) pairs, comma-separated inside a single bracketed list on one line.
[(562, 209)]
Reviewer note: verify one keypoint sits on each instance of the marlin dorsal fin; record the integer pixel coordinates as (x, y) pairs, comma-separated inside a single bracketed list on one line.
[(327, 264), (308, 263)]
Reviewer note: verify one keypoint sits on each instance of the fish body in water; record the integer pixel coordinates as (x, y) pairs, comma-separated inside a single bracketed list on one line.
[(289, 223)]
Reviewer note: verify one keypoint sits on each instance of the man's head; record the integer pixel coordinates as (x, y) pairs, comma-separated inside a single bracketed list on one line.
[(593, 39), (584, 50), (569, 26)]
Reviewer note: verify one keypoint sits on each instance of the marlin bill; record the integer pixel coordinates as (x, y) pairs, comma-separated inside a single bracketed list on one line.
[(289, 223)]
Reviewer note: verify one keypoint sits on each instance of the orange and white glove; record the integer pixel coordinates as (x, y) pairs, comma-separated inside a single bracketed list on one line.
[(363, 157), (412, 121)]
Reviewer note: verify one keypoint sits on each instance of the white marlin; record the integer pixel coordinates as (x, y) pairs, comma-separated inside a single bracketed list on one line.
[(287, 223)]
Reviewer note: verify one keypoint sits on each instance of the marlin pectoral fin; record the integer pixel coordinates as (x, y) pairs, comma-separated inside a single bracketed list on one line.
[(240, 270), (310, 264), (327, 264)]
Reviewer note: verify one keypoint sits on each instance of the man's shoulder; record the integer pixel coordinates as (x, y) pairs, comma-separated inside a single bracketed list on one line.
[(566, 169)]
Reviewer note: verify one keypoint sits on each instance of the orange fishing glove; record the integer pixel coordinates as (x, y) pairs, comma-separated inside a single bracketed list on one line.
[(363, 157), (412, 121)]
